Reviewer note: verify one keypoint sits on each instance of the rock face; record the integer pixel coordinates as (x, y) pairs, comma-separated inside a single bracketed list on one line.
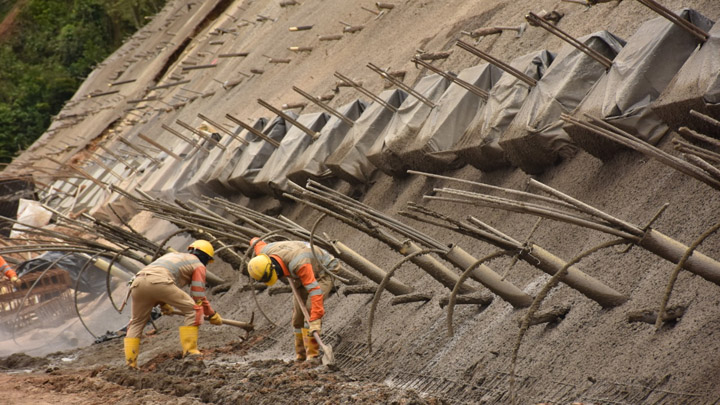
[(589, 354)]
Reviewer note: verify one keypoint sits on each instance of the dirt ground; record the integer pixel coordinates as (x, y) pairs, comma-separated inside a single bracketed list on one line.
[(593, 355)]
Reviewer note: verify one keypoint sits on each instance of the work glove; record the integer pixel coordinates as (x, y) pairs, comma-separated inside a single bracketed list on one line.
[(15, 280), (216, 319), (315, 325), (167, 309)]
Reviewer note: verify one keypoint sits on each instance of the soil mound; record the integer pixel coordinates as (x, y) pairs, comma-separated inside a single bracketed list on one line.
[(18, 361)]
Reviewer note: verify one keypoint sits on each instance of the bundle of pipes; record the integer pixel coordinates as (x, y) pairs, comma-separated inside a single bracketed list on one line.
[(564, 208), (218, 229), (613, 134), (362, 218)]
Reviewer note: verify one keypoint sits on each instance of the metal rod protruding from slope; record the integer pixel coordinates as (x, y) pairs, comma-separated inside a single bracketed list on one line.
[(497, 62), (460, 82), (401, 85), (314, 135), (691, 28), (253, 131), (325, 106), (222, 128), (535, 19), (364, 91)]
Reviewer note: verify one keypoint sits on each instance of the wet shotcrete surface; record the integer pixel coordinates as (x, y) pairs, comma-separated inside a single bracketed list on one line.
[(592, 355)]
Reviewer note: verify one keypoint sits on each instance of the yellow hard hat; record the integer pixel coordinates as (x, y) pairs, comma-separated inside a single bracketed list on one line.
[(203, 246), (261, 269)]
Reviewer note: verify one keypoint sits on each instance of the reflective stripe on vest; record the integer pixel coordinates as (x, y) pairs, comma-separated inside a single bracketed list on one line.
[(172, 266)]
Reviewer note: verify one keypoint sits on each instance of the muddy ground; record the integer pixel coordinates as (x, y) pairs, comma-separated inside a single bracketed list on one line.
[(593, 355)]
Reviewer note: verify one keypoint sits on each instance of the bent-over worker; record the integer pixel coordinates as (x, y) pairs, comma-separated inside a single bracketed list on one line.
[(293, 261), (160, 283), (8, 271)]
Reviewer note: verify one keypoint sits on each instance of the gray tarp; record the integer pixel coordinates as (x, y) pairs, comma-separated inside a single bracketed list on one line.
[(640, 72), (169, 189), (242, 177), (272, 178), (228, 162), (535, 139), (152, 181), (403, 127), (447, 122), (311, 163), (349, 161), (696, 86), (205, 181), (479, 144), (195, 183)]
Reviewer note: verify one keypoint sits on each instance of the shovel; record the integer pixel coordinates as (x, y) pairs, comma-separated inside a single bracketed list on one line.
[(328, 358)]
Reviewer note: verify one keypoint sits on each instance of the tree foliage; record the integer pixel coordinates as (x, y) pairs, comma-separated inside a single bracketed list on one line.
[(51, 48)]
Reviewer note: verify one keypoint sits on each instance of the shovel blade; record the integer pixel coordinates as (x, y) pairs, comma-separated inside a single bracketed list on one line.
[(328, 358)]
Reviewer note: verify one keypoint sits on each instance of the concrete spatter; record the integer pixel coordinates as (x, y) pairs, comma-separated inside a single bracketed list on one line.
[(259, 382)]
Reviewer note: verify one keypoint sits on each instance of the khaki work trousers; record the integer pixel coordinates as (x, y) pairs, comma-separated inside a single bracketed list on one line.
[(151, 290), (298, 319)]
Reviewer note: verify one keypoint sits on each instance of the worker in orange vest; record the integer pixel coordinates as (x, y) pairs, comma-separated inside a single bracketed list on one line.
[(8, 271), (160, 283), (294, 262)]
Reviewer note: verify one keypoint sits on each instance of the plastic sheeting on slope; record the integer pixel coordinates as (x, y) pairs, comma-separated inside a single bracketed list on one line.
[(311, 163), (242, 177), (217, 179), (535, 139), (205, 180), (400, 132), (447, 122), (479, 144), (173, 187), (195, 185), (272, 179), (695, 87), (640, 72), (151, 182), (349, 161)]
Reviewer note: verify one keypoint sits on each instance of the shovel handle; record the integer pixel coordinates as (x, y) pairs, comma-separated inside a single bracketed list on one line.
[(305, 312), (244, 325)]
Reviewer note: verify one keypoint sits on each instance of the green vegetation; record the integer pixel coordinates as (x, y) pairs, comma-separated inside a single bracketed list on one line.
[(50, 48)]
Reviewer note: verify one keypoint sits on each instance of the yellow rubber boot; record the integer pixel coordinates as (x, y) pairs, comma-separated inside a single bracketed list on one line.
[(312, 347), (188, 340), (299, 347), (132, 349)]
